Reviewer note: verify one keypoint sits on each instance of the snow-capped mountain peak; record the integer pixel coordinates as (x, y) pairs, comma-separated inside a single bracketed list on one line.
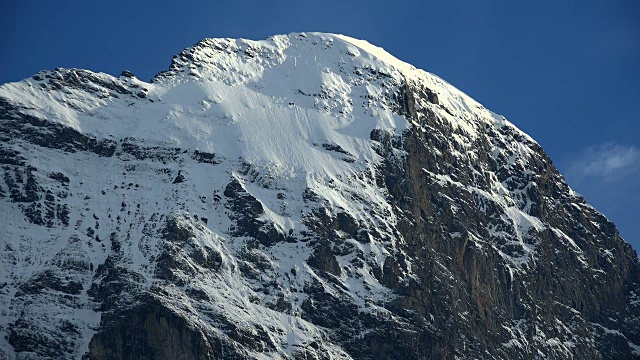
[(307, 195)]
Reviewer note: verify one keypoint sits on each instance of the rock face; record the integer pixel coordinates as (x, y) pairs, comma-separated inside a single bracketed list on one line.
[(303, 197)]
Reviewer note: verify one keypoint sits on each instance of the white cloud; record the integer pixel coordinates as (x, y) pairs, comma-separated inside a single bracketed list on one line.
[(608, 161)]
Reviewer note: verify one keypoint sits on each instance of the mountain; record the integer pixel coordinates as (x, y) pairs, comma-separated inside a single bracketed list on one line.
[(308, 196)]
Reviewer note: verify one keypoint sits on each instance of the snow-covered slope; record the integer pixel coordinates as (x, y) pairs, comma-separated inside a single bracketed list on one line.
[(308, 195)]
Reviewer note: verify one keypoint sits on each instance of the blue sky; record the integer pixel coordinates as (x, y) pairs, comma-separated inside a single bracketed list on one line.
[(566, 72)]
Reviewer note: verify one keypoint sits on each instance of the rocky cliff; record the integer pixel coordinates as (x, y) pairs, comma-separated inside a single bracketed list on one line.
[(307, 196)]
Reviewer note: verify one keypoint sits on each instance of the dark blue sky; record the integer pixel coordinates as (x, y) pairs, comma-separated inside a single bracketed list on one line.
[(566, 72)]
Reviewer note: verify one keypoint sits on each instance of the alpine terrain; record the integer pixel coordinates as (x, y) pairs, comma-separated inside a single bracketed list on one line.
[(307, 196)]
